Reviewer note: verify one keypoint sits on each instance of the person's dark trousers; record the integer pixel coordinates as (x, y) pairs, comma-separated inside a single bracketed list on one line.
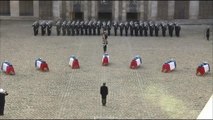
[(207, 36), (109, 32), (35, 31), (104, 101), (145, 33), (126, 31), (2, 103), (141, 32), (49, 32), (115, 30), (156, 32), (105, 48)]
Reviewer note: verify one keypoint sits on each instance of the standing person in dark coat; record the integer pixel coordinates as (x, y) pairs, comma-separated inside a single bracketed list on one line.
[(156, 29), (64, 27), (177, 30), (98, 26), (108, 27), (121, 26), (141, 28), (86, 27), (68, 26), (151, 28), (115, 25), (105, 42), (126, 27), (82, 27), (35, 27), (43, 28), (90, 27), (3, 93), (104, 93), (207, 33), (94, 27), (58, 27), (131, 27), (145, 29), (136, 28), (171, 28), (49, 27), (164, 28)]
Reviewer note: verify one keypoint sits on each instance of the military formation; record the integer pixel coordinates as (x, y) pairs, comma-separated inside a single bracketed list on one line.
[(93, 27)]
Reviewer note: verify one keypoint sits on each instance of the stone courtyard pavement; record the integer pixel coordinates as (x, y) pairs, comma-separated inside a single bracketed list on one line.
[(64, 93)]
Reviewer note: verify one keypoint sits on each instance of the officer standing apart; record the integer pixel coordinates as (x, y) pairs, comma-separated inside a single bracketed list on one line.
[(3, 93), (104, 93), (105, 42), (207, 33)]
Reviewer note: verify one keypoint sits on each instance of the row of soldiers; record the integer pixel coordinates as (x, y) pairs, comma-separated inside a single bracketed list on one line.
[(135, 28)]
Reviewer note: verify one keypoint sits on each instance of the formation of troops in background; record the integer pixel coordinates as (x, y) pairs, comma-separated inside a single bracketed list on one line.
[(132, 28)]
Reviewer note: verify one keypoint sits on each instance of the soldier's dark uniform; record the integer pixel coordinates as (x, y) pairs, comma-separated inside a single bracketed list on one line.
[(35, 27), (64, 27), (171, 28), (3, 93), (177, 30), (90, 27), (145, 29), (73, 28), (164, 28), (49, 27), (141, 28), (86, 27), (131, 25), (77, 26), (121, 26), (82, 27), (58, 27), (98, 26), (94, 27), (109, 27), (43, 28), (136, 28), (151, 28), (156, 29), (104, 26), (126, 27), (115, 25), (68, 26)]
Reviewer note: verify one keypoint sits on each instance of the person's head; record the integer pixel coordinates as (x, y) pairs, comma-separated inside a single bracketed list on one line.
[(104, 84)]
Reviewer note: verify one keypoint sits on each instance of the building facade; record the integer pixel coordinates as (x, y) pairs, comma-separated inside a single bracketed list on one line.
[(104, 9)]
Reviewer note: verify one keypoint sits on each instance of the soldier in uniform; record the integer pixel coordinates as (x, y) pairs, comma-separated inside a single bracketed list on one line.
[(35, 27), (43, 28), (73, 28), (136, 28), (85, 27), (90, 27), (171, 28), (64, 27), (68, 26), (109, 27), (115, 25), (126, 27), (177, 30), (207, 33), (104, 93), (94, 27), (98, 26), (3, 93), (131, 27), (104, 26), (49, 27), (82, 27), (145, 29), (141, 28), (77, 26), (58, 27), (121, 26), (105, 42), (151, 28), (164, 28), (156, 29)]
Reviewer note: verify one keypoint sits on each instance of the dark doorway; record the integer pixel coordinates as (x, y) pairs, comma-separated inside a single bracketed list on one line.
[(78, 15), (162, 10), (104, 16), (181, 10), (205, 9), (132, 16), (5, 7), (26, 8), (45, 9)]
